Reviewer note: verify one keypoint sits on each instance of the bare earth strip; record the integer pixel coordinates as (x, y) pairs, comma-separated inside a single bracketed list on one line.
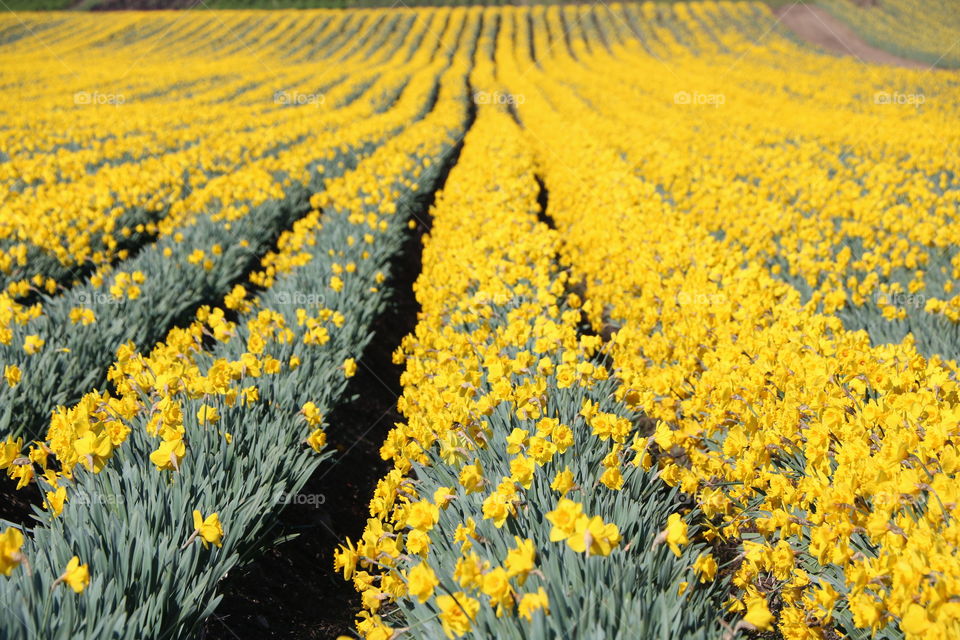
[(819, 27)]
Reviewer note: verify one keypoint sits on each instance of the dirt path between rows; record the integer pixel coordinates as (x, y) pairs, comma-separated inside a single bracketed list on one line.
[(818, 26)]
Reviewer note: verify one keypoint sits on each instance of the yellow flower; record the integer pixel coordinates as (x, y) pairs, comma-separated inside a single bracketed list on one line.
[(12, 374), (533, 602), (208, 529), (465, 533), (867, 612), (93, 450), (418, 542), (83, 316), (372, 627), (457, 613), (564, 519), (594, 536), (916, 621), (422, 515), (520, 560), (33, 343), (497, 586), (501, 504), (421, 581), (55, 500), (251, 394), (521, 470), (22, 473), (705, 566), (517, 440), (317, 440), (469, 571), (563, 481), (76, 575), (312, 414), (612, 478), (471, 477), (443, 496), (758, 614), (345, 559), (676, 533), (207, 415), (169, 454), (11, 541), (349, 368)]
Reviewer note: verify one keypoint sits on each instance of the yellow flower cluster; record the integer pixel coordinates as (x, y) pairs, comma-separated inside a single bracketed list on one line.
[(817, 451), (156, 388), (356, 190), (106, 162), (370, 105), (582, 533), (495, 346), (75, 575), (402, 522), (760, 310), (208, 377)]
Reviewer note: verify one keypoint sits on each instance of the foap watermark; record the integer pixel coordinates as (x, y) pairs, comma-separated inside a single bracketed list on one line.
[(97, 297), (888, 500), (301, 298), (697, 98), (484, 298), (308, 499), (97, 98), (98, 499), (498, 97), (900, 299), (897, 98), (298, 99), (701, 298)]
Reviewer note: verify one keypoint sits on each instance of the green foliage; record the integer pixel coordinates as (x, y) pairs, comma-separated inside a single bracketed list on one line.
[(76, 357), (130, 521), (38, 5)]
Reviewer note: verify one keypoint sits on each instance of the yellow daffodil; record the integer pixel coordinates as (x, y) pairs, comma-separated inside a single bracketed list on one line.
[(208, 529)]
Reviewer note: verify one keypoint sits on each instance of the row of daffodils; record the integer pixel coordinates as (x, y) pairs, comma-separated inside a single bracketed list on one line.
[(734, 282), (137, 133), (204, 245), (517, 504), (817, 460), (203, 440)]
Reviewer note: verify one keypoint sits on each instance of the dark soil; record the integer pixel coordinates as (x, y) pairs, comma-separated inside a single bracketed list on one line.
[(291, 591), (17, 506)]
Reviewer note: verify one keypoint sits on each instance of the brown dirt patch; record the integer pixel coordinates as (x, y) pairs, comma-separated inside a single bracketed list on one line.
[(818, 26)]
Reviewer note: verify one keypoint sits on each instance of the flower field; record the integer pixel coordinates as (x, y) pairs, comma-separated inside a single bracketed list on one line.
[(685, 360), (925, 32)]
